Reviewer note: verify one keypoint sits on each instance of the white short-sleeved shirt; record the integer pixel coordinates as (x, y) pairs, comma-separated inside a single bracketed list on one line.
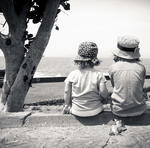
[(86, 100), (127, 97)]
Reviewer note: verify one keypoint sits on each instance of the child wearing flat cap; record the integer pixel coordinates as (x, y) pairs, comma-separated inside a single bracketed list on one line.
[(85, 87), (127, 76)]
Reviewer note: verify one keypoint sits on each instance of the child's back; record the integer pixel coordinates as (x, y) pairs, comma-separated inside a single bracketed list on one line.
[(127, 77), (85, 87), (86, 98), (127, 97)]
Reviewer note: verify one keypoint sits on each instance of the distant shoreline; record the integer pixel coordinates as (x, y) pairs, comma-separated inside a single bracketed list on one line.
[(62, 66)]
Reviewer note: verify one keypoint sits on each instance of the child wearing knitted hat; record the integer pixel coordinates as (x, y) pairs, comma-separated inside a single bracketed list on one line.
[(127, 76), (85, 87)]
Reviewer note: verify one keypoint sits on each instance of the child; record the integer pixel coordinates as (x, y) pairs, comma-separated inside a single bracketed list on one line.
[(127, 78), (85, 87)]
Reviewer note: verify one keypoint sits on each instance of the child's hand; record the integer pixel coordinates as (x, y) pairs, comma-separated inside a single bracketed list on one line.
[(145, 96), (104, 100), (66, 109)]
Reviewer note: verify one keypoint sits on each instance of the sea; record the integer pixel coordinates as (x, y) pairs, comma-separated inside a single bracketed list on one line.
[(62, 66)]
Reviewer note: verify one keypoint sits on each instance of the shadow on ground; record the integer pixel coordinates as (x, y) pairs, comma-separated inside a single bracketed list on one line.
[(106, 117)]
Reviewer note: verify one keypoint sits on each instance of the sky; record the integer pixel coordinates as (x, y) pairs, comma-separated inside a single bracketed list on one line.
[(100, 21)]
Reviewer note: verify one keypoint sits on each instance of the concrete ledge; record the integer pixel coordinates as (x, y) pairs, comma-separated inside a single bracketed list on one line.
[(9, 120), (68, 130), (28, 119), (60, 120)]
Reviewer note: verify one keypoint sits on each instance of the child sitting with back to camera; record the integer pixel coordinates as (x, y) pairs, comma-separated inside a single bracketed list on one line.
[(127, 76), (85, 87)]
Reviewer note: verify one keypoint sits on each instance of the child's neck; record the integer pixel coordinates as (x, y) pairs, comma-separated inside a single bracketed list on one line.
[(84, 68)]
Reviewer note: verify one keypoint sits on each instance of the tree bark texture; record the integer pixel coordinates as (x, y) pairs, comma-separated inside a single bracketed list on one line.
[(20, 68)]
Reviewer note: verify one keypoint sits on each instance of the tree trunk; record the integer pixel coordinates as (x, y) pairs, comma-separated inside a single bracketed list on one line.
[(14, 55), (20, 69)]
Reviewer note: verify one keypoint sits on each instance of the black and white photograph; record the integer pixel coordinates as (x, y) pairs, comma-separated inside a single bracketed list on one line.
[(74, 73)]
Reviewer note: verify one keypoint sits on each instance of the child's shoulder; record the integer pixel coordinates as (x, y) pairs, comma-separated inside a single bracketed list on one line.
[(98, 72), (72, 76), (117, 64), (112, 65), (74, 72), (140, 64)]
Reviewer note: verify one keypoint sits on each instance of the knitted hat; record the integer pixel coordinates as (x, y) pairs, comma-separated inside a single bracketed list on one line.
[(127, 47), (87, 51)]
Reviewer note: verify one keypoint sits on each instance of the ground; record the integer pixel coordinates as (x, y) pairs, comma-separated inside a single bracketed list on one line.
[(94, 136), (74, 137)]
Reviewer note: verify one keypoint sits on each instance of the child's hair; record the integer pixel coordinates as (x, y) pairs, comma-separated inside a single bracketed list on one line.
[(87, 64), (117, 59)]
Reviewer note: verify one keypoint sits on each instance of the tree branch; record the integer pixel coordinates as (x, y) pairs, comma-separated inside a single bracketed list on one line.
[(9, 13), (22, 25), (16, 20), (47, 23)]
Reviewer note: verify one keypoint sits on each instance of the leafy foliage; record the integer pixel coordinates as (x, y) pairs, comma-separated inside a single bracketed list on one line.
[(35, 14), (35, 10)]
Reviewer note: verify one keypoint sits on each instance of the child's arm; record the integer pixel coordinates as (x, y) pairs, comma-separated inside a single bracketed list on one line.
[(103, 90), (110, 72), (67, 97)]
